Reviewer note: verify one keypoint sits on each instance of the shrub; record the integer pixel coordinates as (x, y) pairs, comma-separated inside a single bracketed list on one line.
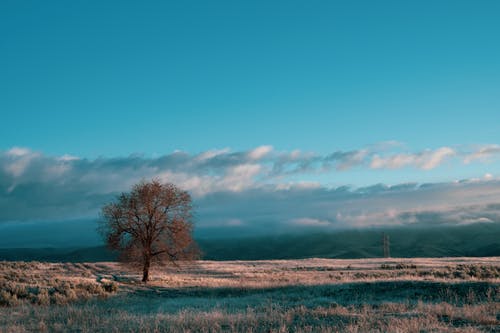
[(110, 287), (92, 289), (43, 297), (8, 299), (19, 290)]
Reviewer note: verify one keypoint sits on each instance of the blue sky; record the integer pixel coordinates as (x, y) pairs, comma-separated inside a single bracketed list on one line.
[(400, 91), (95, 79)]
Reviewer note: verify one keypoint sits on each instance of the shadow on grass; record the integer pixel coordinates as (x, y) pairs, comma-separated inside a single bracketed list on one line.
[(348, 293)]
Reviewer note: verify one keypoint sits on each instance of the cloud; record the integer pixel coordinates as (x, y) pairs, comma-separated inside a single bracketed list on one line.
[(16, 160), (18, 151), (309, 222), (415, 205), (259, 152), (209, 154), (253, 186), (484, 153), (463, 215), (345, 160), (426, 160)]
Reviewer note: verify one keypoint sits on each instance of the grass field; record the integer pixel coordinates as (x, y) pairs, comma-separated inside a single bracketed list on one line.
[(311, 295)]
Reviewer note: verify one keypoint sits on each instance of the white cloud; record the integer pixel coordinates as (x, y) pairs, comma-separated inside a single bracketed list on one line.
[(17, 160), (426, 160), (211, 154), (254, 186), (426, 205), (482, 153), (433, 159), (310, 222), (239, 177), (18, 151), (67, 157), (298, 185), (259, 152)]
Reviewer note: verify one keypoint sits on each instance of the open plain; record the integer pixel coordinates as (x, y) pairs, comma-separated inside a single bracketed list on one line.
[(310, 295)]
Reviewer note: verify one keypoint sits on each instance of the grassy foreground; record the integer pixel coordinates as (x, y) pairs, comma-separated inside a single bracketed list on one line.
[(313, 295)]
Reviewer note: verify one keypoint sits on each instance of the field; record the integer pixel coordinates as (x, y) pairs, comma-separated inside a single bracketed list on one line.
[(310, 295)]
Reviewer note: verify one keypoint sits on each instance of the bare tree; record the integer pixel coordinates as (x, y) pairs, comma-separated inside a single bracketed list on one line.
[(150, 224)]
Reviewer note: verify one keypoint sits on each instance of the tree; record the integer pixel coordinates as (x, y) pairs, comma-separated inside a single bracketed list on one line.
[(150, 225)]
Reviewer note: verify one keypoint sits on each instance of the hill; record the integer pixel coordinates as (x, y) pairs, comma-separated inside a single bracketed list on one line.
[(477, 240)]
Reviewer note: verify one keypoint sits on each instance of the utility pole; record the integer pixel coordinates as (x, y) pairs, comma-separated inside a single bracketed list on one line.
[(386, 245)]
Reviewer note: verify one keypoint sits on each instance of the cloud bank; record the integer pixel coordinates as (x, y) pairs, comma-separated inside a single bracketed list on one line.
[(253, 188)]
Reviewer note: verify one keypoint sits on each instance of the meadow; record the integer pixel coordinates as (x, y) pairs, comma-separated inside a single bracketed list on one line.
[(310, 295)]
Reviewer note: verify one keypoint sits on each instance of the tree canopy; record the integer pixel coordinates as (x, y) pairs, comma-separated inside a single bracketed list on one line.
[(151, 224)]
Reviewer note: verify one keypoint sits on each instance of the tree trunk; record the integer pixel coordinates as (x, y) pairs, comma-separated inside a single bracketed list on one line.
[(145, 270)]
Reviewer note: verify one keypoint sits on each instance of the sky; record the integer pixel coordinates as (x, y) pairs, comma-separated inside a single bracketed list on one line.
[(253, 106)]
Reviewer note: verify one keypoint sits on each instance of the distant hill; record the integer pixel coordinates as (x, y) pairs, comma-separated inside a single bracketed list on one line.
[(472, 241), (477, 240), (81, 254)]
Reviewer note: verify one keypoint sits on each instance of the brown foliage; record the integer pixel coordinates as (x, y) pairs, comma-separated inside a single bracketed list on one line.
[(150, 225)]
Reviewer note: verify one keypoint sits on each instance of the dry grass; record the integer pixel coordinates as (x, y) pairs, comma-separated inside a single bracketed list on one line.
[(314, 295), (46, 283)]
